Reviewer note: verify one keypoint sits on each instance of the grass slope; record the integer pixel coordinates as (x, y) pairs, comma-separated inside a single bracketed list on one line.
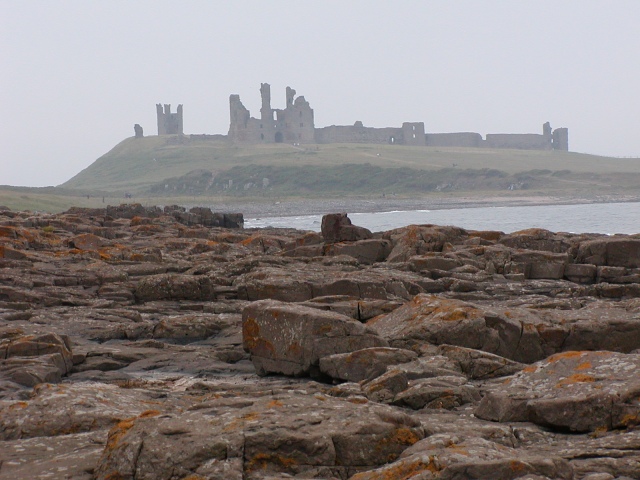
[(137, 164)]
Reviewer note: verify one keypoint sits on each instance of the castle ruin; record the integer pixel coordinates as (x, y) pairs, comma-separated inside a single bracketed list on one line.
[(295, 124), (169, 123)]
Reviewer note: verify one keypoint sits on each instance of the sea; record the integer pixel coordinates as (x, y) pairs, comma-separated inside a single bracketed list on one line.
[(607, 218)]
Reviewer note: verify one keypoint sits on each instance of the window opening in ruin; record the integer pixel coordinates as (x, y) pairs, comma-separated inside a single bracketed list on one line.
[(392, 140), (261, 135), (278, 137), (414, 135), (274, 115), (414, 129)]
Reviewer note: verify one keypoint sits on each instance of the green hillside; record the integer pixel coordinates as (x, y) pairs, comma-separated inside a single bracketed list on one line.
[(172, 165)]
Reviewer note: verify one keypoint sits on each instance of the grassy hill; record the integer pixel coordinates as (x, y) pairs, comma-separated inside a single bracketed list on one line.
[(184, 170), (138, 165)]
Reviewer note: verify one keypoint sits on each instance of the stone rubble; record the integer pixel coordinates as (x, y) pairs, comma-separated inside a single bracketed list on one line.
[(148, 343)]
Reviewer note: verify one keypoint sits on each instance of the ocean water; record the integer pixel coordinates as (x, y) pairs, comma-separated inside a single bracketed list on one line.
[(609, 218)]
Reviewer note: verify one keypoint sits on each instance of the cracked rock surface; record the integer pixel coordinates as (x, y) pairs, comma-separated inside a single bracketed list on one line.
[(141, 343)]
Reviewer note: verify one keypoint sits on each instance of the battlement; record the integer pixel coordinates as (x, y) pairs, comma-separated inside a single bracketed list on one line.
[(169, 123)]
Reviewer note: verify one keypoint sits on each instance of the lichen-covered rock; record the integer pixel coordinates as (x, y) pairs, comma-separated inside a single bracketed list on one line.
[(291, 339), (337, 227), (439, 393), (446, 457), (28, 360), (573, 391), (616, 251), (365, 364), (175, 287), (307, 435)]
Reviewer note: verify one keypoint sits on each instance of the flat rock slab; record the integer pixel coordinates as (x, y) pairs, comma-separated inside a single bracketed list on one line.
[(521, 334), (65, 409), (291, 339), (314, 436), (570, 391), (72, 456)]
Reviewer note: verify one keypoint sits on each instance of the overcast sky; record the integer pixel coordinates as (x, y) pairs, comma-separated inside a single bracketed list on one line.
[(77, 75)]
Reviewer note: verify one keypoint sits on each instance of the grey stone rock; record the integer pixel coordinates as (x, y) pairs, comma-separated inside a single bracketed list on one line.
[(291, 339)]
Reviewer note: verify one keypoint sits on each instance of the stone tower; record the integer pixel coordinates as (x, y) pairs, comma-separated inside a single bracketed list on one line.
[(561, 139), (169, 123), (292, 124)]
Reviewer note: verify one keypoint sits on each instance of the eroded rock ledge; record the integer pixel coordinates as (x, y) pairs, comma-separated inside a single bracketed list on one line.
[(139, 343)]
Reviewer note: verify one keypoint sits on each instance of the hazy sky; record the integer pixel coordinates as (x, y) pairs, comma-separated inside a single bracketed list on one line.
[(77, 75)]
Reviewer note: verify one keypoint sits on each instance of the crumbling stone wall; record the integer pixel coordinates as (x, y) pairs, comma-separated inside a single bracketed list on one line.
[(408, 134), (169, 123), (461, 139), (522, 141), (293, 124)]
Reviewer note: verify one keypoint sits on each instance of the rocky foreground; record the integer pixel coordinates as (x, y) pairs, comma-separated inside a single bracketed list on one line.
[(145, 344)]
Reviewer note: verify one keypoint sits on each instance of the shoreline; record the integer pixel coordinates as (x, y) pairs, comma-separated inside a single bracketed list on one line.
[(288, 208)]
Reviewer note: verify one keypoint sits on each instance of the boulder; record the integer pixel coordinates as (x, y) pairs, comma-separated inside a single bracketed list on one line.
[(437, 393), (478, 365), (420, 239), (616, 251), (570, 391), (337, 227), (291, 339), (436, 320), (175, 287), (365, 252), (365, 364), (580, 273), (445, 456), (29, 360)]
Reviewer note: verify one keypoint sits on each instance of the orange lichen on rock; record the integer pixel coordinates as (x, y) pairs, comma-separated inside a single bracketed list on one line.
[(274, 404), (575, 378), (402, 471), (261, 461), (118, 431), (565, 355), (149, 413), (584, 366), (357, 400)]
